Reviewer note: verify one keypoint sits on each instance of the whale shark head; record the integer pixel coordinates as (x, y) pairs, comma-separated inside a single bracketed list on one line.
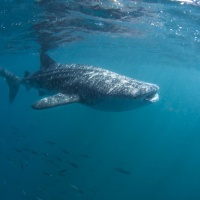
[(148, 92), (133, 97)]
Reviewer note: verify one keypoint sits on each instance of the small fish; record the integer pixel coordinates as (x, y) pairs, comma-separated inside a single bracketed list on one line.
[(23, 192), (50, 161), (21, 165), (122, 171), (17, 185), (81, 192), (58, 158), (60, 174), (15, 128), (51, 142), (84, 155), (64, 151), (47, 174), (64, 193), (76, 188), (46, 155), (42, 190), (73, 165), (18, 150), (26, 149), (94, 191), (62, 171), (73, 186), (34, 152)]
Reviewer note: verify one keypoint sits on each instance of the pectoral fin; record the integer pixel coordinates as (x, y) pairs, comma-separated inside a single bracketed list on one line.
[(55, 100)]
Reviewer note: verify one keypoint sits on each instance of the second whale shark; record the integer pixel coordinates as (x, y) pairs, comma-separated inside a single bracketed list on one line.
[(92, 86)]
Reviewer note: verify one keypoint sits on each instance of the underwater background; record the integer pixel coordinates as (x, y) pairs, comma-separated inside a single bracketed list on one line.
[(75, 152)]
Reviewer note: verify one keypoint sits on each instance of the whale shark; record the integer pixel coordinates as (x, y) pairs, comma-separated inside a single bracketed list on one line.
[(98, 88)]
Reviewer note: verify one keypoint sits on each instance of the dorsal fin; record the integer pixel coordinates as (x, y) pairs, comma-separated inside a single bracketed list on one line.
[(26, 74), (45, 61)]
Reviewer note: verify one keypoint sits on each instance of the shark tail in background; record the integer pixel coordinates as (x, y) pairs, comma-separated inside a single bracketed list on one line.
[(13, 82)]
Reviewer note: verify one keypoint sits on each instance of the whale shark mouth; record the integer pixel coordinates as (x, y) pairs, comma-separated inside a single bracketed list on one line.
[(152, 97)]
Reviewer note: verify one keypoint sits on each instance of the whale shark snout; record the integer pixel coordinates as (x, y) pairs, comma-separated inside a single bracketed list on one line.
[(145, 92), (152, 96)]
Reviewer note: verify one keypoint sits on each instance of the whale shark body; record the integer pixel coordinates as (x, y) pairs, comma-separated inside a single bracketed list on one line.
[(92, 86)]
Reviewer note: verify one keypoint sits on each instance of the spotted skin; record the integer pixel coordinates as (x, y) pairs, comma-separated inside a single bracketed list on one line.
[(92, 86)]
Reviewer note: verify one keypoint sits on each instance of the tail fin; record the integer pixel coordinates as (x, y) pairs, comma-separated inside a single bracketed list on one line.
[(13, 82)]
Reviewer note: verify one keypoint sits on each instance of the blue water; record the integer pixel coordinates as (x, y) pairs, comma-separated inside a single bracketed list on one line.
[(157, 146)]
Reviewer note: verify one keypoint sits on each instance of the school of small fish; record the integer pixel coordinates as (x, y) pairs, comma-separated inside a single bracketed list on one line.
[(53, 166)]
